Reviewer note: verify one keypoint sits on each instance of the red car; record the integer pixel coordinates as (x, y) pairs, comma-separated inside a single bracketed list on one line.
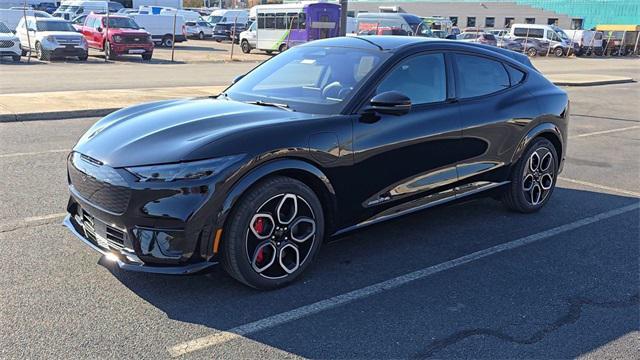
[(124, 36)]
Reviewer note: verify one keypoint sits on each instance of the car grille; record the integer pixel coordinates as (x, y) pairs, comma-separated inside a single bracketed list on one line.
[(6, 43), (99, 232), (98, 184), (134, 39), (68, 40)]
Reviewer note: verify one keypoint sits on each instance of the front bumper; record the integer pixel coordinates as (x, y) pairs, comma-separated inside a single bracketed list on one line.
[(126, 260), (131, 49)]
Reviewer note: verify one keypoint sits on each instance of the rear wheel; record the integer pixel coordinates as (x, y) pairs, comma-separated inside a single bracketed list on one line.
[(274, 233), (167, 41), (283, 48), (533, 178), (558, 52), (269, 52), (532, 52), (246, 48)]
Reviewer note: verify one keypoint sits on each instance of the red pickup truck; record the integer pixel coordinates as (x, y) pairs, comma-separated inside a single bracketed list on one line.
[(124, 37)]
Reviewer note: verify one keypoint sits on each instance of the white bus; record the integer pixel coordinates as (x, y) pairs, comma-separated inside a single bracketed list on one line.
[(280, 27)]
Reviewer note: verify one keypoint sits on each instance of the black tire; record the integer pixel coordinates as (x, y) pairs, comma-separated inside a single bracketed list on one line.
[(147, 56), (269, 52), (218, 40), (42, 54), (16, 58), (167, 41), (532, 52), (84, 57), (515, 197), (283, 48), (558, 52), (201, 35), (246, 48), (107, 51), (24, 52), (240, 239)]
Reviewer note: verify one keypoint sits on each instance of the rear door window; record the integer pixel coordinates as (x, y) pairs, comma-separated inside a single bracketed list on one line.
[(478, 76)]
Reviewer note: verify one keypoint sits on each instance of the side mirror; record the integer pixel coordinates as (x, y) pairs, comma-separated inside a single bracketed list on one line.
[(237, 78), (391, 102)]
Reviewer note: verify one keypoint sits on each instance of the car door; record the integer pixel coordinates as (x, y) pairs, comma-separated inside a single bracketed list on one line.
[(495, 113), (87, 30), (406, 161)]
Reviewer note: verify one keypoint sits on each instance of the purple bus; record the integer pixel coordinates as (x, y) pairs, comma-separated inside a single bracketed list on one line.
[(282, 26)]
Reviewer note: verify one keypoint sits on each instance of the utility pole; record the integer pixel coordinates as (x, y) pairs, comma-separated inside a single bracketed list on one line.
[(344, 5)]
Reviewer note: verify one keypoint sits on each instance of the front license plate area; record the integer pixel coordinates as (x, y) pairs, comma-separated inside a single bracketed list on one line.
[(136, 51)]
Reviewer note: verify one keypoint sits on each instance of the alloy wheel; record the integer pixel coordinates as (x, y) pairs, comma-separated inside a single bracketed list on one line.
[(538, 176), (280, 236)]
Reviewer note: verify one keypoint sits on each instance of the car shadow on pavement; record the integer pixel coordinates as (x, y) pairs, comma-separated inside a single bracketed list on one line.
[(561, 297)]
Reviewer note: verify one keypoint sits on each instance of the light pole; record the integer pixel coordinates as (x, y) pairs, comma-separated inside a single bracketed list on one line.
[(344, 5)]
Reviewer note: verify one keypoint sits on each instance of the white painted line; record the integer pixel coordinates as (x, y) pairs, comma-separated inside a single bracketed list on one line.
[(17, 224), (43, 217), (34, 153), (601, 187), (323, 305), (604, 132)]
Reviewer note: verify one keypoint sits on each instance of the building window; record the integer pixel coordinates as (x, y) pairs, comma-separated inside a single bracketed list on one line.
[(552, 21), (576, 24), (454, 20), (529, 20), (508, 21), (490, 22), (471, 21)]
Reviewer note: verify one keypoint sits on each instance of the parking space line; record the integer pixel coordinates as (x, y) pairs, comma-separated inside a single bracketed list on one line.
[(12, 225), (604, 132), (333, 302), (33, 153), (601, 187)]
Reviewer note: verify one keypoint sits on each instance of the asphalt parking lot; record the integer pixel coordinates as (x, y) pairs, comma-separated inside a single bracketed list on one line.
[(465, 281)]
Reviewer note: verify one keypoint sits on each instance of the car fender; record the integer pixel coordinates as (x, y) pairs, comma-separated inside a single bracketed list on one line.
[(276, 166), (540, 129)]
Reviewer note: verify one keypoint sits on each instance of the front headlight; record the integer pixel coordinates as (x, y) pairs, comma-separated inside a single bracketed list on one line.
[(51, 38), (183, 171), (117, 38)]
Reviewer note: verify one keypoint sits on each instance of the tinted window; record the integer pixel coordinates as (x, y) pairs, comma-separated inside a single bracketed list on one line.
[(515, 75), (280, 21), (421, 78), (528, 32), (479, 76)]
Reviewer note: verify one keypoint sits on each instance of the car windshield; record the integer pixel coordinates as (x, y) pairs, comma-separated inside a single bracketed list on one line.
[(309, 79), (4, 28), (121, 23), (73, 8), (54, 26), (215, 19)]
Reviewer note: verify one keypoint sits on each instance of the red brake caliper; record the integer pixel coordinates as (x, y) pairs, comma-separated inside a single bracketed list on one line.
[(258, 226)]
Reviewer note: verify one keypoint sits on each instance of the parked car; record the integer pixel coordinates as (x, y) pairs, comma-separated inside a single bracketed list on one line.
[(198, 29), (325, 138), (392, 24), (225, 31), (588, 41), (51, 38), (48, 7), (533, 46), (69, 10), (442, 34), (228, 16), (161, 28), (509, 44), (127, 11), (78, 22), (478, 37), (498, 33), (558, 40), (122, 37), (11, 18), (9, 43), (620, 39), (248, 39)]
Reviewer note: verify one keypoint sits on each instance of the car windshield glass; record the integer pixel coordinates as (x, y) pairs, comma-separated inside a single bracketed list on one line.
[(73, 8), (214, 19), (309, 79), (54, 26), (562, 34), (4, 28), (121, 23)]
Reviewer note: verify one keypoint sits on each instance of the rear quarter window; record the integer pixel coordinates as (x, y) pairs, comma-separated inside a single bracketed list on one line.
[(478, 76)]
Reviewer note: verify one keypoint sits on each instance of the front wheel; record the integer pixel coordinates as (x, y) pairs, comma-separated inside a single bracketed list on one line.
[(147, 57), (533, 178), (108, 53), (274, 233), (283, 48), (558, 52), (41, 53), (246, 48), (16, 58), (201, 35)]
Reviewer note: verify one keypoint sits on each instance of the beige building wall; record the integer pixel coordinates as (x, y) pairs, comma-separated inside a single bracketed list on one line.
[(463, 10)]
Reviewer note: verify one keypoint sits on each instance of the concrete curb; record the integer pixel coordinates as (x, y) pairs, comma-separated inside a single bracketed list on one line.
[(594, 83), (57, 115)]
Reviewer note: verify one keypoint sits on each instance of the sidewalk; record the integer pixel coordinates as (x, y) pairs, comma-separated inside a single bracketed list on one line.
[(76, 104)]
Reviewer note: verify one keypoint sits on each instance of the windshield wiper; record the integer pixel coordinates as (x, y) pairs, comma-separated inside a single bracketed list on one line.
[(266, 103)]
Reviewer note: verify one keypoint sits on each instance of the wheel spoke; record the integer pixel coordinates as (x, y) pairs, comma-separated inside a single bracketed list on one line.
[(536, 194), (534, 161), (546, 161), (287, 209), (546, 181), (262, 225), (302, 229), (527, 182), (263, 257), (289, 258)]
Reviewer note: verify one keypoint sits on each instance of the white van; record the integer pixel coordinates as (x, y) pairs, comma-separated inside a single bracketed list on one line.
[(228, 16), (11, 17), (559, 42), (589, 41), (188, 15), (69, 10), (161, 28)]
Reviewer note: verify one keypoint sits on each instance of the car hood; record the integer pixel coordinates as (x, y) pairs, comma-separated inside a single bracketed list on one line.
[(168, 131), (7, 36), (123, 31), (59, 33)]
